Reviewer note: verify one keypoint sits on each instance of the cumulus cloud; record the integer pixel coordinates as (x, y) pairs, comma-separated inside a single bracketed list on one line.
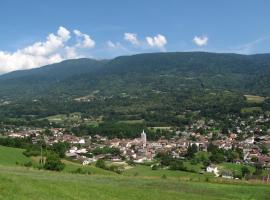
[(84, 40), (54, 49), (158, 41), (132, 38), (200, 40)]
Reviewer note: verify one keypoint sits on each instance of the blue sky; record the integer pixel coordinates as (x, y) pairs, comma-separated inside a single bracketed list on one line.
[(105, 29)]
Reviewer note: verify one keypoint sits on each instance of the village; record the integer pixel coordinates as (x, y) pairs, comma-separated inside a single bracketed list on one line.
[(254, 143)]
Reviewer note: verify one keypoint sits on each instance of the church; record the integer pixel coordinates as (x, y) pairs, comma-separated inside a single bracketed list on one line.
[(143, 138)]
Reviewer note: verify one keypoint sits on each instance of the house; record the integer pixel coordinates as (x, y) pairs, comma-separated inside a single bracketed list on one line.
[(89, 161), (116, 159), (213, 169), (85, 162), (264, 160)]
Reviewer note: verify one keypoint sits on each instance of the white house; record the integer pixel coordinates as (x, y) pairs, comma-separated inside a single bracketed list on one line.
[(213, 169)]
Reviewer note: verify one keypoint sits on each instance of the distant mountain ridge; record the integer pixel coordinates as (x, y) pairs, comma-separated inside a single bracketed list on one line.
[(56, 71), (214, 70)]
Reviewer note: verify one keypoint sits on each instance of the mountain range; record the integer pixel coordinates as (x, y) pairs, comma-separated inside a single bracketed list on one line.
[(149, 79)]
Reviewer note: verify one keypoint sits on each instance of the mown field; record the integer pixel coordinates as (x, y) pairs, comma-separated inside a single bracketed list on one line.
[(140, 182)]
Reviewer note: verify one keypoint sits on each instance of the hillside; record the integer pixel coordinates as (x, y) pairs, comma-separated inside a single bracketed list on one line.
[(33, 184), (162, 83), (227, 71), (12, 156)]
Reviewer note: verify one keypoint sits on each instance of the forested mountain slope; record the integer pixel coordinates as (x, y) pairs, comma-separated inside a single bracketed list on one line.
[(173, 82)]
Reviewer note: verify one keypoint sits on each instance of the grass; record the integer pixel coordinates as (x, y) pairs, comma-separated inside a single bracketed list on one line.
[(138, 182), (12, 156), (249, 110), (146, 171), (71, 166), (21, 183), (254, 99), (236, 168), (139, 121), (61, 117), (160, 128)]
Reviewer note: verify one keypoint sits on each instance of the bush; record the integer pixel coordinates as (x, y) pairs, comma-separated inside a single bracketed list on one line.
[(259, 169), (136, 174), (28, 164), (29, 153), (101, 164), (245, 171), (154, 167), (177, 165), (81, 171), (53, 162), (164, 176)]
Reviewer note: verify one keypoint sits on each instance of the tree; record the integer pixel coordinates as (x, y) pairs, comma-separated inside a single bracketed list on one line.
[(48, 132), (192, 149), (264, 149), (259, 169), (231, 155), (177, 165), (165, 158), (212, 148), (101, 164), (217, 157), (53, 162), (60, 148), (245, 171)]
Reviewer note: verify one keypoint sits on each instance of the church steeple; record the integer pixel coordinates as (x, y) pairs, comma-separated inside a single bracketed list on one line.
[(143, 137)]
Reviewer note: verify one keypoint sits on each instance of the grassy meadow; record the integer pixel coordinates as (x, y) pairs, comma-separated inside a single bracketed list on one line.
[(138, 182), (12, 156), (254, 99)]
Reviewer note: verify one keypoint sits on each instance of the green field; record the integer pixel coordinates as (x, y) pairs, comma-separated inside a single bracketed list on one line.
[(250, 110), (21, 183), (12, 156), (254, 99), (138, 182), (139, 121), (73, 117)]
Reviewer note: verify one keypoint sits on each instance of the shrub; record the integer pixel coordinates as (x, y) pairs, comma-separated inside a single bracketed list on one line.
[(28, 164), (80, 171), (53, 162), (154, 167), (101, 164), (164, 176)]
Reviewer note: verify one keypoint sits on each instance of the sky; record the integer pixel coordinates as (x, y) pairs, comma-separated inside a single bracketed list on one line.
[(35, 33)]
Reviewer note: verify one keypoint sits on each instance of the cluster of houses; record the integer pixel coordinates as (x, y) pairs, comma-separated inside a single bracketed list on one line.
[(140, 150)]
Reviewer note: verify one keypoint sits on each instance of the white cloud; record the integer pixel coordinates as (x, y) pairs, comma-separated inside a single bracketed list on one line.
[(54, 49), (71, 53), (111, 44), (63, 33), (132, 38), (157, 41), (114, 45), (200, 40), (84, 40)]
